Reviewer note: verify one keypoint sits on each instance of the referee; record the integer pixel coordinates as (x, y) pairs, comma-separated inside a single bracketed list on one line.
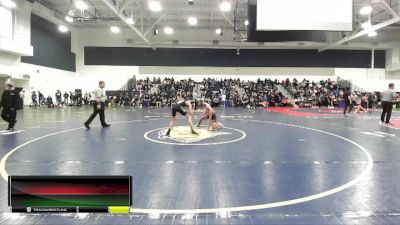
[(348, 104), (387, 103), (99, 98)]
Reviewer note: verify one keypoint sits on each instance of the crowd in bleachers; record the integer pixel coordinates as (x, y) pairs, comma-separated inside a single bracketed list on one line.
[(327, 93), (324, 93), (224, 92)]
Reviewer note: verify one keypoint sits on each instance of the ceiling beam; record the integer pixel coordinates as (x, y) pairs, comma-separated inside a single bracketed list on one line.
[(123, 6), (390, 9), (123, 19), (395, 19), (360, 33), (142, 11), (267, 45), (227, 19), (232, 24), (155, 23), (212, 33)]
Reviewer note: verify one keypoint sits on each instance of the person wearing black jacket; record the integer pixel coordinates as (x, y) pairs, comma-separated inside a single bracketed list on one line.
[(9, 103), (348, 105), (66, 97), (58, 98)]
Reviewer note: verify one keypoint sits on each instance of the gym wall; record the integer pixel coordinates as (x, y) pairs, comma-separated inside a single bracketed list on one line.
[(51, 48), (126, 56)]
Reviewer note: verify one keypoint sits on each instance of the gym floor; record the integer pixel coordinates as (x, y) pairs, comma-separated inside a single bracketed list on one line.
[(273, 166)]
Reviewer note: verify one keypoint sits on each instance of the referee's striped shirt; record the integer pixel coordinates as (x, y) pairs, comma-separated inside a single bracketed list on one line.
[(99, 95), (388, 95)]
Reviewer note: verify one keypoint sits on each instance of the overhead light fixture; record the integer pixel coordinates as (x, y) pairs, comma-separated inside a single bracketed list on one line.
[(155, 6), (80, 4), (246, 22), (130, 21), (191, 2), (62, 28), (71, 12), (8, 3), (219, 31), (155, 31), (168, 30), (366, 25), (366, 10), (69, 19), (192, 20), (372, 34), (225, 6), (115, 29)]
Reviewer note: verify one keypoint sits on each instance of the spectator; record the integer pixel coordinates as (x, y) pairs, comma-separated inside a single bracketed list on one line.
[(66, 95), (21, 99), (49, 102), (42, 100), (34, 99), (58, 97)]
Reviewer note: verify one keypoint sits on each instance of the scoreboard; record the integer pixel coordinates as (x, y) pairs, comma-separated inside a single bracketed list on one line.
[(58, 194)]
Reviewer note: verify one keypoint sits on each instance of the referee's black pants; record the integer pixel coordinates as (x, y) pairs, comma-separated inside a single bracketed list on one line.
[(387, 111), (9, 115), (348, 106), (97, 111)]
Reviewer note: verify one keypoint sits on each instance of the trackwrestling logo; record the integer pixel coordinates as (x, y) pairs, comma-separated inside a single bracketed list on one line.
[(181, 135)]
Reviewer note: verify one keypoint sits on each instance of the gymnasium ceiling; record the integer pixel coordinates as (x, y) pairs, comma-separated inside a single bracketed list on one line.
[(175, 13)]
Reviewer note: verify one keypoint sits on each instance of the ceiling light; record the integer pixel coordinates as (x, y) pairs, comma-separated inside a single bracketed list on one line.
[(155, 6), (372, 34), (168, 30), (130, 21), (80, 4), (225, 6), (8, 3), (155, 31), (366, 25), (219, 31), (71, 12), (192, 21), (69, 19), (115, 29), (366, 10), (63, 28), (246, 22)]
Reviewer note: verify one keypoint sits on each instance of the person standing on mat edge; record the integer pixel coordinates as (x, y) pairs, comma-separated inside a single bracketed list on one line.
[(178, 107), (99, 97), (10, 104), (387, 103)]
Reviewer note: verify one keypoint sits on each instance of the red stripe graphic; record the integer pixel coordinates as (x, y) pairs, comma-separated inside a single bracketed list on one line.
[(70, 189)]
